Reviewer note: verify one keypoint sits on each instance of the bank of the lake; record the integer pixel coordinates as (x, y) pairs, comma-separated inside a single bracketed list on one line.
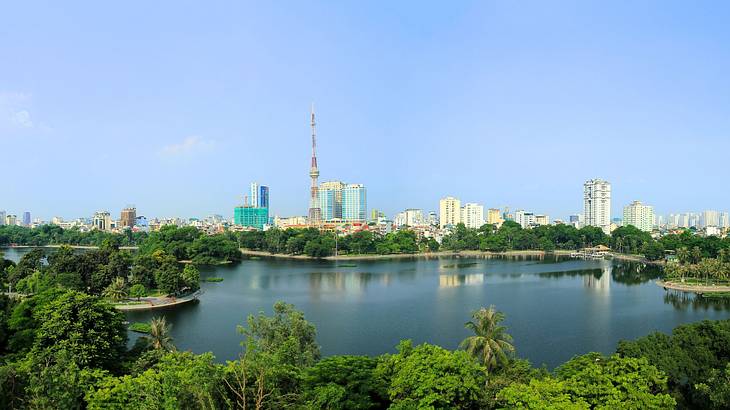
[(466, 253)]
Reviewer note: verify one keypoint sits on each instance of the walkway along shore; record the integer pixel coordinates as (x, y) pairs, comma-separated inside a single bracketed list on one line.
[(426, 255), (149, 303), (693, 288)]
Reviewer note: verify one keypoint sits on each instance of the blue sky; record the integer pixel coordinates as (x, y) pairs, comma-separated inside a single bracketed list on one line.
[(176, 106)]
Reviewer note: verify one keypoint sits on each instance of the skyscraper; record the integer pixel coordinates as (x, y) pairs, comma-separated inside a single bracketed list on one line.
[(315, 213), (639, 215), (449, 212), (263, 196), (597, 204), (26, 218), (472, 215), (2, 218), (128, 217), (494, 216), (330, 200), (354, 203), (253, 195), (710, 218)]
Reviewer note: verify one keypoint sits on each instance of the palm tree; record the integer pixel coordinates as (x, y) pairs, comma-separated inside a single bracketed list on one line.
[(490, 345), (683, 255), (117, 290), (159, 337)]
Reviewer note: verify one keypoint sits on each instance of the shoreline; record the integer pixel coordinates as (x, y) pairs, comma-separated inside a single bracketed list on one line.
[(58, 246), (150, 306), (426, 255), (693, 288)]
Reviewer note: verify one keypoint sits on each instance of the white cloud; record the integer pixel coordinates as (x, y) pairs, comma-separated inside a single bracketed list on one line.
[(15, 111), (188, 146), (22, 119)]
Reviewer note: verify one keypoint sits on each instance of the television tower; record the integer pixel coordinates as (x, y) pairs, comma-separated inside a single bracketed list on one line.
[(315, 213)]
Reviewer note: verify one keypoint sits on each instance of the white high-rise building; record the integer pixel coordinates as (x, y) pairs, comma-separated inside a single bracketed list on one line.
[(449, 211), (710, 218), (472, 215), (11, 220), (409, 217), (525, 219), (597, 204), (639, 215), (103, 221), (724, 220), (253, 195)]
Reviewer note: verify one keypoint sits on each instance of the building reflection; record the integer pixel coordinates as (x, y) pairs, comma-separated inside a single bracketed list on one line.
[(346, 282), (451, 281), (601, 283)]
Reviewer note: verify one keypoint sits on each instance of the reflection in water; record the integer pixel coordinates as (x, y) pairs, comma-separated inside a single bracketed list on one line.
[(347, 282), (451, 281), (635, 273), (685, 300), (602, 283)]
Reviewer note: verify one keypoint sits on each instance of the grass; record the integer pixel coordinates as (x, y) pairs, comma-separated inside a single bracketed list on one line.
[(213, 279), (140, 327)]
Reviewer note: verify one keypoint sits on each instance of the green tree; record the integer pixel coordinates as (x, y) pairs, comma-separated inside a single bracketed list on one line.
[(429, 376), (117, 290), (286, 334), (490, 344), (181, 380), (191, 277), (86, 327), (159, 337), (344, 382), (137, 291)]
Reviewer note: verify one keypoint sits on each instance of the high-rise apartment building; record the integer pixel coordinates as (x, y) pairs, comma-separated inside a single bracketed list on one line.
[(710, 218), (525, 219), (597, 204), (472, 215), (724, 220), (354, 203), (409, 217), (128, 217), (258, 196), (102, 221), (2, 218), (542, 220), (639, 215), (11, 220), (494, 216), (449, 212)]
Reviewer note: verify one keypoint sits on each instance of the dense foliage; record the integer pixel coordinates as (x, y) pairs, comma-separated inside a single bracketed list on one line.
[(316, 243), (694, 357), (55, 235)]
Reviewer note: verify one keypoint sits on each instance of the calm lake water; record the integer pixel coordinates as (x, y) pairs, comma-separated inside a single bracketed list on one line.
[(555, 308)]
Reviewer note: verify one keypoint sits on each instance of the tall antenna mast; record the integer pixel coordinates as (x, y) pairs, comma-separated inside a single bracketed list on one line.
[(315, 212)]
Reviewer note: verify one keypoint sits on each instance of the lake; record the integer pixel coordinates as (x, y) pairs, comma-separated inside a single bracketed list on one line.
[(555, 307)]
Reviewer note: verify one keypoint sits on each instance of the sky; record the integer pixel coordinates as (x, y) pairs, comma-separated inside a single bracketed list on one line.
[(175, 107)]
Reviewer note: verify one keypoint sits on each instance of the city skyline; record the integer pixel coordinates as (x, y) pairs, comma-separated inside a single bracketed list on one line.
[(471, 100)]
